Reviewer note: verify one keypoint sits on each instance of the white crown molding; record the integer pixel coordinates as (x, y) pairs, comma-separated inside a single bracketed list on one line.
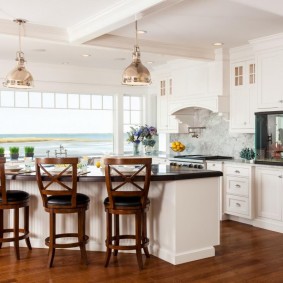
[(274, 41), (116, 16)]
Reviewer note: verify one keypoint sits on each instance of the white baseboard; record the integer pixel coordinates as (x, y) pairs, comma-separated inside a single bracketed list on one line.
[(268, 224), (183, 257)]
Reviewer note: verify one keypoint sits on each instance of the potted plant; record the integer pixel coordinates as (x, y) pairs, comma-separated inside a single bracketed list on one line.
[(247, 154), (29, 151), (2, 151), (14, 152)]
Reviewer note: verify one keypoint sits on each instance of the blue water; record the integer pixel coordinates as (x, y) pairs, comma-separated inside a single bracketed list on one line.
[(91, 144)]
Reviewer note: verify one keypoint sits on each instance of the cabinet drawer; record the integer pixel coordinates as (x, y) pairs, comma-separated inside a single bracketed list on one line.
[(238, 205), (237, 186), (237, 170), (214, 166)]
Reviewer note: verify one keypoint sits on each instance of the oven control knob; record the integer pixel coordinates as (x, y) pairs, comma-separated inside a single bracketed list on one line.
[(191, 165), (195, 166), (200, 166)]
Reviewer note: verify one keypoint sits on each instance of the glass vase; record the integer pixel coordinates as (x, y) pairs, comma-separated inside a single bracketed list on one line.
[(136, 148), (148, 149)]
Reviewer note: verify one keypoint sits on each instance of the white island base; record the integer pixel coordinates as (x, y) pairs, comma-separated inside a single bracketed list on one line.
[(183, 221)]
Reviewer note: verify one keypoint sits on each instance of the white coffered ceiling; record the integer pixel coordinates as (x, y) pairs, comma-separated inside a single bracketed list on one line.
[(60, 32)]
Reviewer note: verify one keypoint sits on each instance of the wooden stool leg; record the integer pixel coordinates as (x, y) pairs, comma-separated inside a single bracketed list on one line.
[(52, 232), (108, 239), (144, 233), (81, 233), (117, 232), (16, 232), (26, 225), (1, 225), (138, 239)]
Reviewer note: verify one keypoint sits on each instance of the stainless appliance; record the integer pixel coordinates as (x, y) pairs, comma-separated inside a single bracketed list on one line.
[(194, 161)]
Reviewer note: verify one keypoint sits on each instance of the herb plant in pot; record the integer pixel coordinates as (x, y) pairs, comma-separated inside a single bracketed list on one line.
[(2, 151), (29, 151), (14, 152)]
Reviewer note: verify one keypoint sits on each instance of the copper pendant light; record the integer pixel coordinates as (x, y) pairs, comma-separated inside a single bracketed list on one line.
[(19, 77), (136, 74)]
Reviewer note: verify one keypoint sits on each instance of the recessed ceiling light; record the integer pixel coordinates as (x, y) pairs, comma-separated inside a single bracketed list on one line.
[(142, 31), (218, 44), (86, 55)]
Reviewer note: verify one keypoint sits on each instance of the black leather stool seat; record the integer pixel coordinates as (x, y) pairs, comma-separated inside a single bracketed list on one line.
[(15, 195), (66, 200), (126, 201)]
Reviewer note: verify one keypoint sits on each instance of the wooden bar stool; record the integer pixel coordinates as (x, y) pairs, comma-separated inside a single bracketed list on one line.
[(60, 197), (127, 197), (13, 199)]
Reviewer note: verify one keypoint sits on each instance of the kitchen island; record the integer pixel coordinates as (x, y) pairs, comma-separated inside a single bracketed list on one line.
[(183, 221)]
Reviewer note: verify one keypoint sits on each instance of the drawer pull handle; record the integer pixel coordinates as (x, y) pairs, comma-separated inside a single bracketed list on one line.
[(280, 176), (237, 171), (237, 186), (238, 204)]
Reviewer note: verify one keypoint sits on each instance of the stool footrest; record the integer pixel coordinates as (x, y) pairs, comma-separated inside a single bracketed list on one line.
[(12, 239), (67, 245), (144, 243)]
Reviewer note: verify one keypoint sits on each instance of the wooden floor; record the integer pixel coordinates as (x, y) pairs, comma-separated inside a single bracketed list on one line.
[(246, 254)]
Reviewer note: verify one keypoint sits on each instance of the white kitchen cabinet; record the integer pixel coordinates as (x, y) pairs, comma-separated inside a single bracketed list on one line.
[(217, 166), (270, 83), (238, 190), (269, 193), (243, 97), (166, 123)]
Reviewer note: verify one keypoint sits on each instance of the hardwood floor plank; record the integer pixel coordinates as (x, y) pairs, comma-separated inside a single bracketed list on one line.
[(246, 254)]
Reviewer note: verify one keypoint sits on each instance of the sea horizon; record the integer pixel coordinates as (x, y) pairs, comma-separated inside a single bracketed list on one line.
[(75, 144)]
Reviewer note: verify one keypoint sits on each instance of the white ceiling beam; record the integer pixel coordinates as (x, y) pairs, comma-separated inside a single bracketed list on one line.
[(118, 42), (123, 13)]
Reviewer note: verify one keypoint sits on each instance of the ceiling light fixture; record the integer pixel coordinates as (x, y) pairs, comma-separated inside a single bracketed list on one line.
[(136, 74), (19, 77), (142, 31), (218, 44)]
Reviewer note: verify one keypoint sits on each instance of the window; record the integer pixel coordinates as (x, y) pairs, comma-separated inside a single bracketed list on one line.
[(132, 116), (82, 123)]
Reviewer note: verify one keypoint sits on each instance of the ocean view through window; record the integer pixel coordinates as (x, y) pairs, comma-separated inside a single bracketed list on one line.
[(75, 144), (81, 123)]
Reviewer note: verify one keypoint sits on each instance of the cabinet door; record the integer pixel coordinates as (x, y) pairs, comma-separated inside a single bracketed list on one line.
[(270, 83), (162, 113), (243, 97), (269, 193), (165, 123)]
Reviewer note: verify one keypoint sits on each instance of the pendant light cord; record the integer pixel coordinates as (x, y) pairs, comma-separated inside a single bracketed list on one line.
[(20, 43), (136, 33)]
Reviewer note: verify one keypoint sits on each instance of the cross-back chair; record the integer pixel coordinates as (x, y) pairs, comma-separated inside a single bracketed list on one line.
[(127, 195), (62, 199), (13, 200)]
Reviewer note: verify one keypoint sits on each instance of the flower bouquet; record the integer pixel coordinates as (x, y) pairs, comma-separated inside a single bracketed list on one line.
[(142, 134)]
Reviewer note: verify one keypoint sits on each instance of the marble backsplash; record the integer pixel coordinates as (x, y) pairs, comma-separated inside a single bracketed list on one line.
[(215, 139)]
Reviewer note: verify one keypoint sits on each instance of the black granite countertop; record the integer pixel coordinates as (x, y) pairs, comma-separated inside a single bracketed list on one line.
[(159, 173)]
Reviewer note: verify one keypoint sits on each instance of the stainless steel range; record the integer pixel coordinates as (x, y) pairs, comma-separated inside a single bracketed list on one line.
[(194, 161)]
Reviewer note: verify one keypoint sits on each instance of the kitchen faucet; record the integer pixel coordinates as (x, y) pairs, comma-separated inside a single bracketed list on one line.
[(61, 152)]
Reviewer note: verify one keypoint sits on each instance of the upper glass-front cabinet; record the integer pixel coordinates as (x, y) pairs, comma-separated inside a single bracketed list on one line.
[(238, 75), (244, 74)]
